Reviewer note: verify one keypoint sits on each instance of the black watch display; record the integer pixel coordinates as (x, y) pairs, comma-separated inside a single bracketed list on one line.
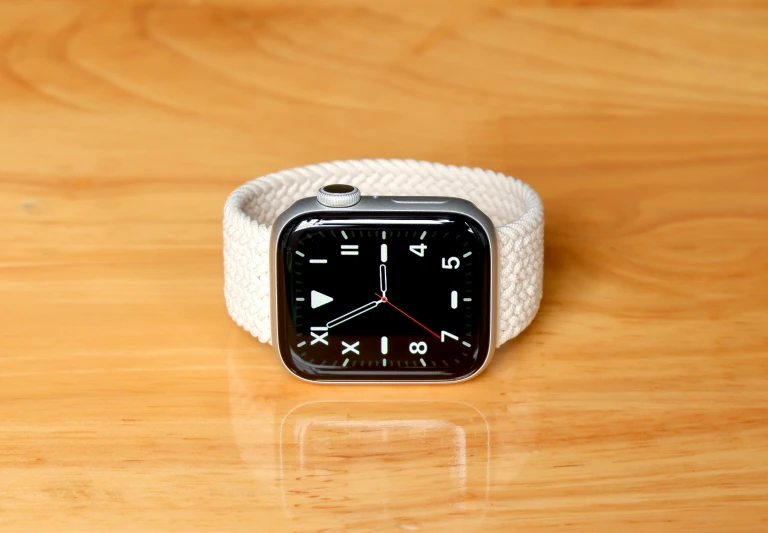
[(383, 296)]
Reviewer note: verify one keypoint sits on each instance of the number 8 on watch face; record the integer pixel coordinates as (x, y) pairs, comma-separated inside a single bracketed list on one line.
[(371, 298)]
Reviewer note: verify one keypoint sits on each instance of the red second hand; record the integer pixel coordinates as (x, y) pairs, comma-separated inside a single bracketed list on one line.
[(386, 301)]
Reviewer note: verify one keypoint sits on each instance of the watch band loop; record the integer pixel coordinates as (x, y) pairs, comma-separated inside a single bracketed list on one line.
[(514, 207)]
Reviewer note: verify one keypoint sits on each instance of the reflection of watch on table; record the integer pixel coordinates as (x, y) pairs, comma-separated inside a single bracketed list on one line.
[(386, 287), (361, 455), (391, 459)]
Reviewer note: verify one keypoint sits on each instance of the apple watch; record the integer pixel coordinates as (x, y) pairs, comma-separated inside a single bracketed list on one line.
[(383, 271)]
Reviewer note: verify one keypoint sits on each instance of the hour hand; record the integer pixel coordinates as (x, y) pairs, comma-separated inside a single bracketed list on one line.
[(383, 280), (352, 314)]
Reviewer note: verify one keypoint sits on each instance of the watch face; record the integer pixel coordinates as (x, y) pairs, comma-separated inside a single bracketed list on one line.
[(384, 297)]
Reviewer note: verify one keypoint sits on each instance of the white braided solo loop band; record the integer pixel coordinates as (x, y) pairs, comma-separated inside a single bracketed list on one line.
[(514, 207)]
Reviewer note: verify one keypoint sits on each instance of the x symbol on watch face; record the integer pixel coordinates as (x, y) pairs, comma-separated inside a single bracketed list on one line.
[(319, 338), (350, 347)]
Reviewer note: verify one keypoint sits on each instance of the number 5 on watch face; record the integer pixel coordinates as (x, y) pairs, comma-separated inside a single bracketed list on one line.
[(368, 298)]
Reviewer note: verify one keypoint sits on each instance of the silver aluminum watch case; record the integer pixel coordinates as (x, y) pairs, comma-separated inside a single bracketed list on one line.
[(382, 205)]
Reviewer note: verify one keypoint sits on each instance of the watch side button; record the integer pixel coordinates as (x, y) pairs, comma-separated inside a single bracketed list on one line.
[(338, 195)]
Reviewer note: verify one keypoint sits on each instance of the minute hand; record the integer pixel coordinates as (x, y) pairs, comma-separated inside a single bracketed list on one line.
[(352, 314)]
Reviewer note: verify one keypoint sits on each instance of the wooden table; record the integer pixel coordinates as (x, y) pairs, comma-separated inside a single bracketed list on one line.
[(636, 401)]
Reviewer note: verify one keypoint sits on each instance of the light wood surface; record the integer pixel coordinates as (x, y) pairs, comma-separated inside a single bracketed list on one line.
[(636, 401)]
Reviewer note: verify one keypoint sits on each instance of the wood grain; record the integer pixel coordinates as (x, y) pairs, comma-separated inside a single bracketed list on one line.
[(636, 401)]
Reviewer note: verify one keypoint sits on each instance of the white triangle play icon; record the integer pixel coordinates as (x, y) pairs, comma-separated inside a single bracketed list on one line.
[(318, 299)]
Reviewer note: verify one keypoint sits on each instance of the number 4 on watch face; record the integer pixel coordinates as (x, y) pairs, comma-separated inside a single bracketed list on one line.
[(418, 249), (407, 301)]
